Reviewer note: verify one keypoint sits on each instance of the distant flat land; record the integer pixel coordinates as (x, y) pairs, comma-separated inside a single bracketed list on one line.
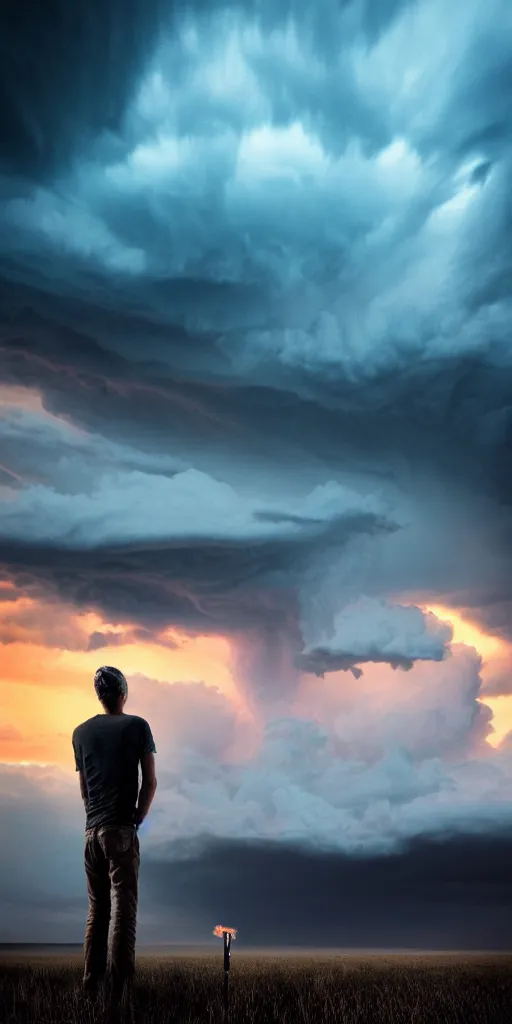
[(184, 986)]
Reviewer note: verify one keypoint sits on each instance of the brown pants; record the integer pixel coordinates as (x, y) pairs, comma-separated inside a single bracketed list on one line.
[(112, 858)]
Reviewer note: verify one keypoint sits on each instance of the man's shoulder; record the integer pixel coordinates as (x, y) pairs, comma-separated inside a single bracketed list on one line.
[(83, 726), (139, 720)]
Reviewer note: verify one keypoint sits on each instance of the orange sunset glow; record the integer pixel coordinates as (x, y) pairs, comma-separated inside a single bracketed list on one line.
[(492, 650), (45, 691)]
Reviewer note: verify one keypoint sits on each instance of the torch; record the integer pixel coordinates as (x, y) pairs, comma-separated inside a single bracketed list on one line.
[(222, 932)]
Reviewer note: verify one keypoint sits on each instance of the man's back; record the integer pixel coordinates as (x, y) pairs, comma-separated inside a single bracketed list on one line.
[(108, 749)]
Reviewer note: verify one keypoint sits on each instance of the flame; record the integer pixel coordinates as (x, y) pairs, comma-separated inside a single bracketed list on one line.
[(221, 928)]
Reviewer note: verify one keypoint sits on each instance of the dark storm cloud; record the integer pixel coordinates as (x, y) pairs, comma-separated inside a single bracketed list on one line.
[(46, 451), (99, 639), (157, 290), (322, 660), (451, 415), (259, 255), (52, 624), (243, 356), (208, 585), (449, 894), (67, 72), (76, 335)]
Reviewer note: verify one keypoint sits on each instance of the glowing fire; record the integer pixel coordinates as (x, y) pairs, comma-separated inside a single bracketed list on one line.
[(220, 929)]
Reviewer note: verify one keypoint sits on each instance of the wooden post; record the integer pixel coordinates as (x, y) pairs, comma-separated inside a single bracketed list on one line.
[(227, 959)]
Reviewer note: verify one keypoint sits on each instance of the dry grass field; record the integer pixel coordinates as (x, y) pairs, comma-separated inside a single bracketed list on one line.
[(294, 988)]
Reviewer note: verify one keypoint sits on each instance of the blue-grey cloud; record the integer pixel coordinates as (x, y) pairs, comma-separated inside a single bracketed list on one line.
[(255, 371), (354, 783), (271, 254), (372, 631)]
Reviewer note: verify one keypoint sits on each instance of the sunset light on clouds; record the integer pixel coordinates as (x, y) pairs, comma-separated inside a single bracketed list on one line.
[(46, 682), (46, 686), (496, 656), (255, 437)]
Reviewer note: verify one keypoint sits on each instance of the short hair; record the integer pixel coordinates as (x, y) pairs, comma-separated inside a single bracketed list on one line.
[(110, 684)]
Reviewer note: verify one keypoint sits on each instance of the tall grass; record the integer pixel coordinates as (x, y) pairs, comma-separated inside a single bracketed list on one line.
[(295, 989)]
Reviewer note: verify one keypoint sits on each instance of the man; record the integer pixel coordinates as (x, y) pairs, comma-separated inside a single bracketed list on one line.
[(108, 750)]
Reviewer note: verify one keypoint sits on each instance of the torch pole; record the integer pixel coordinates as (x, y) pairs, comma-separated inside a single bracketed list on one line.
[(227, 960)]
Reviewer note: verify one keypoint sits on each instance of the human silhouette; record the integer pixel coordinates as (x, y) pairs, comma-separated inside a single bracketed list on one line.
[(108, 749)]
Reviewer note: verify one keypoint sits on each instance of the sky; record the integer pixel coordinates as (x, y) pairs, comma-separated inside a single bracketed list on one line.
[(255, 450)]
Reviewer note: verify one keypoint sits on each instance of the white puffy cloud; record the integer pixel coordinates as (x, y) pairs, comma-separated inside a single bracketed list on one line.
[(185, 716), (433, 711), (355, 767), (377, 631), (304, 786)]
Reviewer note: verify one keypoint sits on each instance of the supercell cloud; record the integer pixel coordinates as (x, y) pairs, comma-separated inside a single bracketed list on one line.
[(255, 383)]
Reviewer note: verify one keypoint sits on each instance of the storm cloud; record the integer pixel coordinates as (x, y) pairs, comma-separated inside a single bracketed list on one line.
[(256, 382), (375, 632)]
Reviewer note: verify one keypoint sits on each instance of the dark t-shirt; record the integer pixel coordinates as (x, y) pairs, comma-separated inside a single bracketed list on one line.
[(108, 749)]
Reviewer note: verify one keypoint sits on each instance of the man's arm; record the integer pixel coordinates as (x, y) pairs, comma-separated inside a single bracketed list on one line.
[(83, 788), (147, 789), (79, 767)]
